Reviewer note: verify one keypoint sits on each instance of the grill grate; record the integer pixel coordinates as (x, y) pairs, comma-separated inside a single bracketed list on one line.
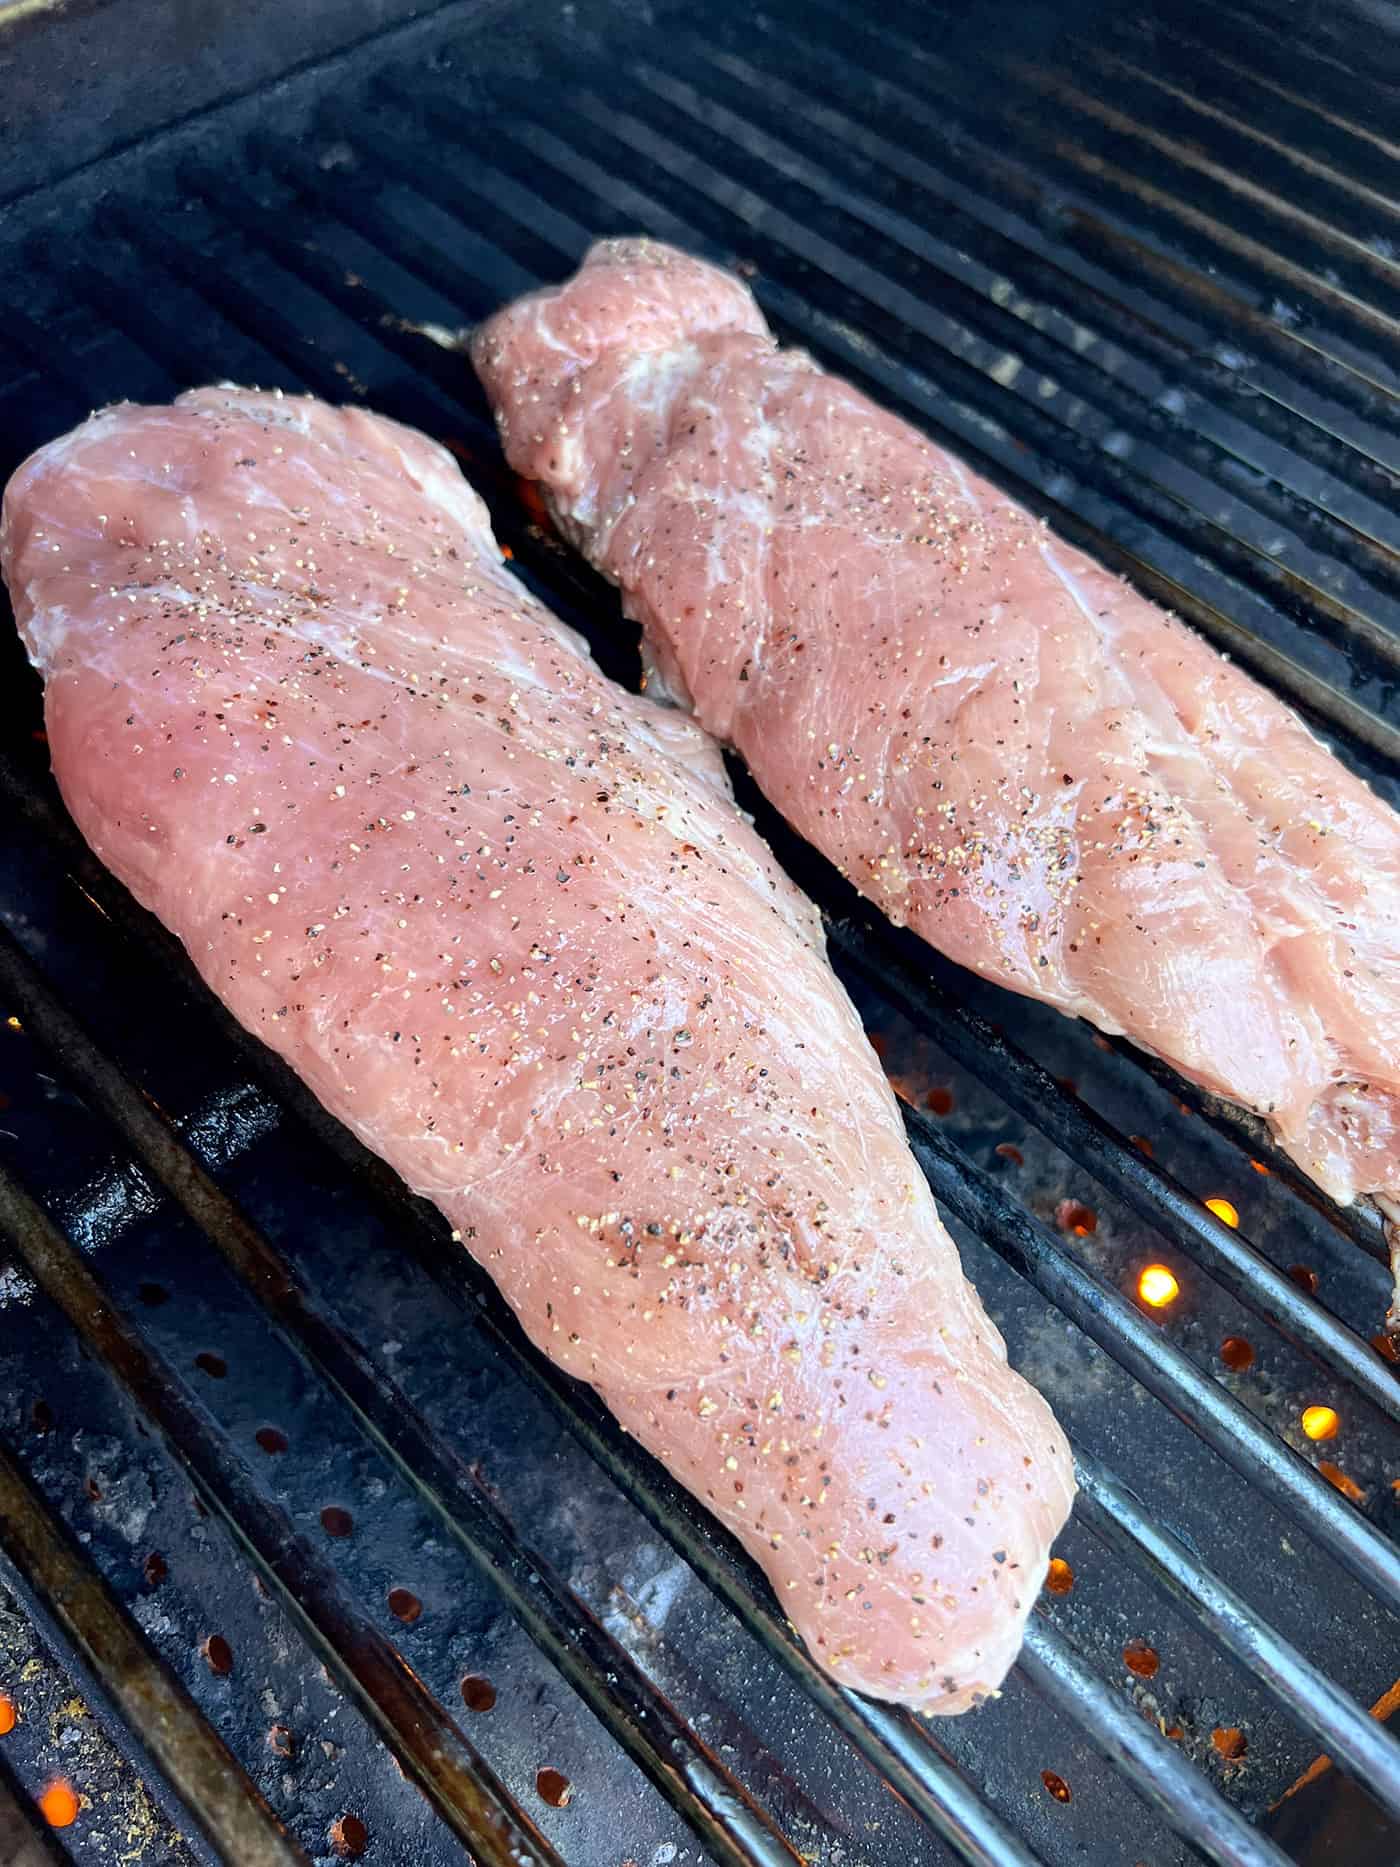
[(1140, 273)]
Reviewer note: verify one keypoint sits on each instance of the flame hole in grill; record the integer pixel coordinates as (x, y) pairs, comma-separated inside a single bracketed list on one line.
[(336, 1522), (1059, 1579), (218, 1655), (213, 1365), (155, 1569), (1305, 1277), (939, 1100), (59, 1804), (1142, 1144), (1230, 1741), (349, 1837), (153, 1295), (41, 1416), (272, 1440), (9, 1717), (1141, 1659), (1320, 1422), (1072, 1215), (555, 1788), (93, 1489), (404, 1606), (478, 1694), (1055, 1785), (1009, 1151), (1237, 1354), (1157, 1286)]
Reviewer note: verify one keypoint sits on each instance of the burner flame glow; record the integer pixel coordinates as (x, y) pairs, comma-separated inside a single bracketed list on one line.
[(1320, 1422), (1157, 1286), (59, 1804)]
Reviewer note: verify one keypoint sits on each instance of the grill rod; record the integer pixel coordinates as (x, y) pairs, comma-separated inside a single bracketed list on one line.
[(217, 1794), (979, 234), (1144, 283), (1262, 267), (1117, 1325), (1351, 1735), (1142, 1756), (707, 1795), (412, 1723), (1309, 1321)]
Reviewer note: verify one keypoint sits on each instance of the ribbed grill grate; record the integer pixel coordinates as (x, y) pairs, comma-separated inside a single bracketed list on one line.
[(1142, 274)]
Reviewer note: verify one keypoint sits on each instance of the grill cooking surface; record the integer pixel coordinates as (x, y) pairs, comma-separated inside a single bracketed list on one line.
[(293, 1519)]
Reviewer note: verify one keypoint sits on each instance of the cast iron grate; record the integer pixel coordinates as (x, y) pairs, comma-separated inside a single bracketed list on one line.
[(1141, 272)]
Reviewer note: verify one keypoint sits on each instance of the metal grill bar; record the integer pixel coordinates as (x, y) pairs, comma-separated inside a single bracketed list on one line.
[(975, 240), (707, 1795), (410, 1720), (1349, 1733), (1137, 1345), (1142, 1756), (193, 1759), (1306, 114), (1312, 381), (1309, 374), (1247, 261)]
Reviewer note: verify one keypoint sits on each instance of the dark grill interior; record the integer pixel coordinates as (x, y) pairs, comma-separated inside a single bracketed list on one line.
[(289, 1522)]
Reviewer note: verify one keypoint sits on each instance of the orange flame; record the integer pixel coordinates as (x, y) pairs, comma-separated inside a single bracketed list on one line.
[(1157, 1286), (1320, 1422), (59, 1804)]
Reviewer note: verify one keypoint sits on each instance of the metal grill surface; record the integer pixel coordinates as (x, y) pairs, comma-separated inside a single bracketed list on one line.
[(305, 1551)]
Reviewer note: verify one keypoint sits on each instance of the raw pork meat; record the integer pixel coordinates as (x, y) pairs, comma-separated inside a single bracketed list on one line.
[(506, 921), (1006, 748)]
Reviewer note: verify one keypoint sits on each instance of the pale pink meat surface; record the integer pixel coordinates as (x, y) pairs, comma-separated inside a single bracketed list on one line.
[(505, 920), (1005, 747)]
